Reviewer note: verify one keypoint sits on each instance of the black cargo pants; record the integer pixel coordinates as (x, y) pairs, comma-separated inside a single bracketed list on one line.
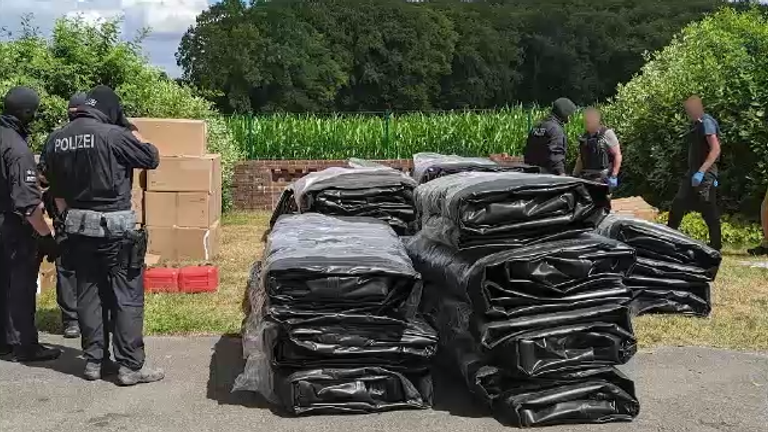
[(19, 266), (702, 198), (66, 288), (107, 288)]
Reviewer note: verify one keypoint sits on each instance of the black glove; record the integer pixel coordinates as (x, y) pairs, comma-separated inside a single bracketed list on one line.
[(48, 248)]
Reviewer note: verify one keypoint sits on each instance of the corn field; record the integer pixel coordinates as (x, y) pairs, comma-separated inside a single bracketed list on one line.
[(387, 135)]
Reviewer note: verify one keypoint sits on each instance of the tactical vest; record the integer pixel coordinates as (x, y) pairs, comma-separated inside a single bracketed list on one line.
[(594, 153), (698, 149)]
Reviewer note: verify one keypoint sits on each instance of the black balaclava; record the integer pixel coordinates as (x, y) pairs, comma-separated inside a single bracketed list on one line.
[(563, 108), (76, 101), (107, 101), (22, 103)]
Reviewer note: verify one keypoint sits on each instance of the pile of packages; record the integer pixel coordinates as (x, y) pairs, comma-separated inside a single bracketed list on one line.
[(429, 166), (332, 326), (529, 304), (673, 273), (377, 192)]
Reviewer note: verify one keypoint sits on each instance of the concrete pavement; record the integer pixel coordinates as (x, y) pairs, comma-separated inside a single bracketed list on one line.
[(680, 389)]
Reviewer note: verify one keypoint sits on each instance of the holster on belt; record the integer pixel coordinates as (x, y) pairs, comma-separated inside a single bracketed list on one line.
[(137, 250)]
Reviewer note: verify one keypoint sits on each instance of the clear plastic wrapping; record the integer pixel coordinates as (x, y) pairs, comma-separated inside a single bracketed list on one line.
[(515, 209)]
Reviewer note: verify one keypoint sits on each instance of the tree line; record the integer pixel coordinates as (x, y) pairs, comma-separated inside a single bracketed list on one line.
[(353, 55)]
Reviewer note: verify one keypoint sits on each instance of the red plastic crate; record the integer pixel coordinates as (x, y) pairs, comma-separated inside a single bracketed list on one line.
[(199, 279), (161, 280)]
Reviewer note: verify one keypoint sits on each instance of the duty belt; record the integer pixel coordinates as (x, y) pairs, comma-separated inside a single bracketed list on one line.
[(91, 223)]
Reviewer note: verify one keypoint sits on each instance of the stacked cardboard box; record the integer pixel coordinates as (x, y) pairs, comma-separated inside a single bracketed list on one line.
[(182, 202)]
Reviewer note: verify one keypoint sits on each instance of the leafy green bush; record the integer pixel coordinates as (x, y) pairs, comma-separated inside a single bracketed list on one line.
[(310, 136), (735, 233), (724, 59), (79, 56)]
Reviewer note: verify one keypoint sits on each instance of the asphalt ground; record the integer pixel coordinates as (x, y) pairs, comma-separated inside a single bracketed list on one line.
[(680, 389)]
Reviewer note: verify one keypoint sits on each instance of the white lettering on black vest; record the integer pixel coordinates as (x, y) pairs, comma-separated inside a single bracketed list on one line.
[(76, 142)]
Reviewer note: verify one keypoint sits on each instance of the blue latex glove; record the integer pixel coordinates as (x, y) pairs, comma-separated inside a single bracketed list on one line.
[(716, 183), (613, 182), (697, 179)]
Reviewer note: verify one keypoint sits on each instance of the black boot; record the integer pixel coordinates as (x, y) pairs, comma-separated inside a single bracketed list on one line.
[(35, 353)]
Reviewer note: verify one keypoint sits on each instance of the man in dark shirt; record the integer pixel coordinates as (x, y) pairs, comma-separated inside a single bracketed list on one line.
[(24, 234), (698, 187), (66, 284), (547, 142), (89, 164)]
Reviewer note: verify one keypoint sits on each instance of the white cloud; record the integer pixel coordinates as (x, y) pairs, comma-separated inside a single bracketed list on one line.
[(168, 19)]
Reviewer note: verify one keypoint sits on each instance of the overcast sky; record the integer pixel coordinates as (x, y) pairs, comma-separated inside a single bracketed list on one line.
[(168, 19)]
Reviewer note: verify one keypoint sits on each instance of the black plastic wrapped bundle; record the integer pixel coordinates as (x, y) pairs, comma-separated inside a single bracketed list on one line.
[(476, 209), (376, 192), (331, 325), (602, 395), (673, 272), (353, 391), (325, 264), (430, 166), (534, 331), (527, 310), (306, 340)]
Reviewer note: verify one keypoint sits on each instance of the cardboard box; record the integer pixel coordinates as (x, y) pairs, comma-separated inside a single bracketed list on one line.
[(137, 204), (174, 137), (178, 243), (183, 209), (186, 174), (140, 179)]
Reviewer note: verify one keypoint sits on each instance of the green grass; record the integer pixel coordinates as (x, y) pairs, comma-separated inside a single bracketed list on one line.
[(739, 319), (381, 136)]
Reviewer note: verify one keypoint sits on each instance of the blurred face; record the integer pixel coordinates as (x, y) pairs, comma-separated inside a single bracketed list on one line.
[(592, 120), (694, 108)]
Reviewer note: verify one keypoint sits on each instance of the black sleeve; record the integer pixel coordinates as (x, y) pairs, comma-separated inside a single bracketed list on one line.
[(557, 149), (131, 153), (22, 182)]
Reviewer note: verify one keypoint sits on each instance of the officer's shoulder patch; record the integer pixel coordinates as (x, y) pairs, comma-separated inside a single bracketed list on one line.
[(30, 176)]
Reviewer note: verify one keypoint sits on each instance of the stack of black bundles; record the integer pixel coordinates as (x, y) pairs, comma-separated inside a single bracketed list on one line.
[(333, 325), (429, 166), (377, 192), (513, 209), (530, 306), (673, 272)]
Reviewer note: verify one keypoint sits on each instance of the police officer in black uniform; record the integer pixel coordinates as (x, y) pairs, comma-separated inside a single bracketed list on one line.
[(698, 188), (66, 284), (89, 163), (24, 234), (547, 142)]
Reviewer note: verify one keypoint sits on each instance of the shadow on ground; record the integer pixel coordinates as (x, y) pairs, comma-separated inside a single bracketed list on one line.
[(226, 364), (451, 396), (71, 362)]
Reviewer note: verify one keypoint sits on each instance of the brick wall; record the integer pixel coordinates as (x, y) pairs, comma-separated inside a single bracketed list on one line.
[(258, 184)]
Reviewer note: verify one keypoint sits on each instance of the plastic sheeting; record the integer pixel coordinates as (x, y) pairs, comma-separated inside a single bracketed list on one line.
[(377, 192), (515, 209), (332, 325), (673, 272), (534, 331), (326, 264), (429, 166), (591, 396)]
